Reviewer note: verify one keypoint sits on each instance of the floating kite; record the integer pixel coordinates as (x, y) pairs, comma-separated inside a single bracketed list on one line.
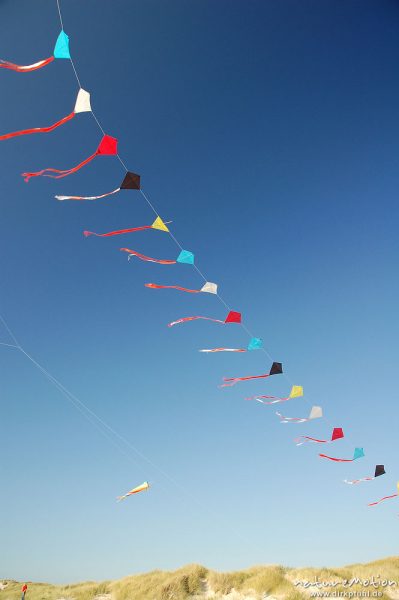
[(254, 344), (232, 317), (140, 488), (61, 50), (358, 453), (385, 498), (379, 470), (108, 147), (276, 369), (315, 413), (296, 392), (185, 257), (131, 181), (157, 224), (337, 434), (82, 104), (208, 287)]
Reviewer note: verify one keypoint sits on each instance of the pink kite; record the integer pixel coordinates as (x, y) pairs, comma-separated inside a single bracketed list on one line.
[(337, 434)]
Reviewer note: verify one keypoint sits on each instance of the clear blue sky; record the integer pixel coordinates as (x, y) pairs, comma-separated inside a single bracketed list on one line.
[(269, 133)]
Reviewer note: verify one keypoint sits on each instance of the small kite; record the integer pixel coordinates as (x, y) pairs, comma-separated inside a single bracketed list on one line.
[(140, 488), (184, 257), (315, 413), (131, 181), (337, 434), (232, 317), (386, 497), (108, 147), (61, 50), (296, 392), (254, 344), (358, 453), (157, 224), (210, 288), (82, 104), (276, 369), (379, 470)]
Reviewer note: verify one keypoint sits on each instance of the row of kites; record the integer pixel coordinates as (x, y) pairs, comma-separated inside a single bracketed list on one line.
[(108, 146)]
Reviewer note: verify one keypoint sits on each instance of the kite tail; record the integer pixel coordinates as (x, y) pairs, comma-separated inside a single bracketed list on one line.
[(305, 438), (38, 129), (234, 380), (223, 350), (273, 399), (336, 459), (155, 286), (147, 258), (383, 499), (4, 64), (46, 172), (186, 319), (290, 419), (119, 232), (87, 197), (355, 481)]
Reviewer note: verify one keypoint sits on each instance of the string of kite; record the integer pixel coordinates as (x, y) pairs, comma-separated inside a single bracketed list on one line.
[(108, 146)]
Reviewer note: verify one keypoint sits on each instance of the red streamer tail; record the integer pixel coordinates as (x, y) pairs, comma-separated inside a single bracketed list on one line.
[(118, 232), (155, 286), (305, 438), (46, 172), (336, 459), (212, 350), (229, 381), (147, 258), (186, 319), (383, 500), (4, 64), (38, 129)]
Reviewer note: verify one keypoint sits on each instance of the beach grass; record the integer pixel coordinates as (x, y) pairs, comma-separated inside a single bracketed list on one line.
[(197, 582)]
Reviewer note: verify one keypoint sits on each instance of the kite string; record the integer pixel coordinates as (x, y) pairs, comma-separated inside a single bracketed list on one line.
[(60, 15), (246, 329), (107, 431), (170, 232), (221, 299), (104, 428)]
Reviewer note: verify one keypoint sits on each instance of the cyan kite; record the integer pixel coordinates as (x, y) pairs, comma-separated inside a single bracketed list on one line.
[(61, 50)]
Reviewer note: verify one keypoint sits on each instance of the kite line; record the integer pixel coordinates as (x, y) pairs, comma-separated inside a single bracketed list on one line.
[(107, 431), (109, 146)]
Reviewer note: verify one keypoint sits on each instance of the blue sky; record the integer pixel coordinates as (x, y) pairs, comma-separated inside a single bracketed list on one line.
[(268, 132)]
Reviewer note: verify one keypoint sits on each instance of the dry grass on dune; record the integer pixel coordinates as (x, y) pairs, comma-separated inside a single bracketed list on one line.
[(161, 585), (196, 582)]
